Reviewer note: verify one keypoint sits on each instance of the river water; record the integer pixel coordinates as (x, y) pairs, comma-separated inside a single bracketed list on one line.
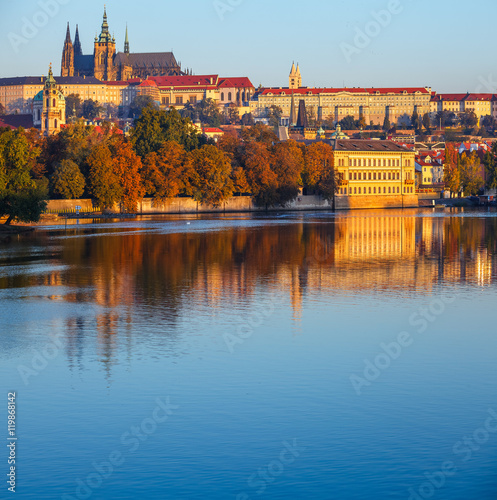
[(283, 356)]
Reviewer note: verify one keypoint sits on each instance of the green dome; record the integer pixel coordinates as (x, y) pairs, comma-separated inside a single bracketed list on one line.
[(38, 96)]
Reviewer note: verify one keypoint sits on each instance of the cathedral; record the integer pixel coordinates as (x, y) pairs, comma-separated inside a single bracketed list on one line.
[(107, 65)]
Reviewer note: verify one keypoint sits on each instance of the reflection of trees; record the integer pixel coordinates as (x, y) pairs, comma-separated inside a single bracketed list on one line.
[(149, 277)]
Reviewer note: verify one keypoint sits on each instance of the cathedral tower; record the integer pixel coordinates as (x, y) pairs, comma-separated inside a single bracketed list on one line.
[(67, 65), (104, 52), (78, 51)]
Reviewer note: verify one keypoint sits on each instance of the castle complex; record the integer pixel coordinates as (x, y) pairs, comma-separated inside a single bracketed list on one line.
[(105, 64)]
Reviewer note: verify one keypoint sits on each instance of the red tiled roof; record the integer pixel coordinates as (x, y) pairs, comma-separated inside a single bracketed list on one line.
[(236, 82), (479, 97), (185, 80), (148, 83), (354, 90)]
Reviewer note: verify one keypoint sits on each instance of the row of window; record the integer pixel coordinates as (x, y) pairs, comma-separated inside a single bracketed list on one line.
[(373, 176), (375, 190), (371, 162)]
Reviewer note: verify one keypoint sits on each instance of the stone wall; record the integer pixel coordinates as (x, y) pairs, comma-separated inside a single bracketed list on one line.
[(244, 204)]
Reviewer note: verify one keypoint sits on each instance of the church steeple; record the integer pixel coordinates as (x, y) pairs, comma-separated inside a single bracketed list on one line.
[(105, 35), (126, 42), (68, 35), (78, 51), (67, 64)]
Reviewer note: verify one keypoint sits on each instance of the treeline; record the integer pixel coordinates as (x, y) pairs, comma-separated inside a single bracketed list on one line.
[(463, 172), (165, 156)]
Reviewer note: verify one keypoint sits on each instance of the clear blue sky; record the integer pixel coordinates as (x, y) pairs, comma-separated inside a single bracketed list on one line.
[(438, 43)]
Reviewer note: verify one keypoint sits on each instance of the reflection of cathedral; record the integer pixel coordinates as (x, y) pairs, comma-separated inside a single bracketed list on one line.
[(107, 65)]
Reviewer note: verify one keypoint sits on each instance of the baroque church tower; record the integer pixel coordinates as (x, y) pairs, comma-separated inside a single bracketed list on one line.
[(67, 65), (295, 78), (104, 52)]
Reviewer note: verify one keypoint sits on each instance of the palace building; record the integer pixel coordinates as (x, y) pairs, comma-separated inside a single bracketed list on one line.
[(373, 104), (107, 64)]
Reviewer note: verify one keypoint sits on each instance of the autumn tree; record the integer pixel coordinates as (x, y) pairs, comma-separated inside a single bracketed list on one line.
[(452, 177), (287, 164), (166, 172), (127, 165), (103, 182), (256, 160), (67, 181), (210, 181), (259, 133), (490, 162), (319, 172), (471, 178)]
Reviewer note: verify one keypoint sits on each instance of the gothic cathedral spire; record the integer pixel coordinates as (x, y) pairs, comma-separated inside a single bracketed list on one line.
[(126, 42), (78, 51), (67, 65)]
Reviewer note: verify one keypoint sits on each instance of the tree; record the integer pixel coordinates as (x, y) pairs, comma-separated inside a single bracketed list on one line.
[(256, 160), (259, 133), (127, 165), (287, 164), (67, 180), (103, 182), (91, 109), (140, 102), (452, 178), (166, 172), (232, 114), (348, 123), (73, 107), (469, 120), (154, 127), (471, 178), (2, 109), (274, 114), (319, 173), (21, 197), (211, 175), (386, 124), (416, 122), (361, 123), (427, 123), (248, 120), (490, 162)]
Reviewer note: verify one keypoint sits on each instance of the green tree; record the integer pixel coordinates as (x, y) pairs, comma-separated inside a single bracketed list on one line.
[(416, 122), (386, 124), (140, 102), (2, 109), (154, 127), (427, 123), (247, 120), (274, 114), (348, 123), (259, 133), (74, 107), (211, 175), (21, 197), (91, 109), (67, 181)]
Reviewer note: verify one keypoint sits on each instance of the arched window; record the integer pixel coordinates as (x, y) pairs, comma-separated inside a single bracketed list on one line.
[(345, 190), (55, 123), (222, 96), (369, 190), (359, 190), (48, 103), (46, 123), (53, 102), (229, 96)]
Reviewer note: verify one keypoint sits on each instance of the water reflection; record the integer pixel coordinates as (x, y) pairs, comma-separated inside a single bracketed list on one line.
[(156, 276)]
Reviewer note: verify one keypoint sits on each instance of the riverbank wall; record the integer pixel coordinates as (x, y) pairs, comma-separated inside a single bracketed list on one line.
[(243, 204)]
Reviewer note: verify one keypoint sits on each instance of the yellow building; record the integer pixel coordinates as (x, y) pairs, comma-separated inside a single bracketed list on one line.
[(480, 104), (375, 173), (16, 94)]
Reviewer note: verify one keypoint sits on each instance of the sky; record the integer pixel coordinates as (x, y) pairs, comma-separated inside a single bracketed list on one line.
[(441, 44)]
